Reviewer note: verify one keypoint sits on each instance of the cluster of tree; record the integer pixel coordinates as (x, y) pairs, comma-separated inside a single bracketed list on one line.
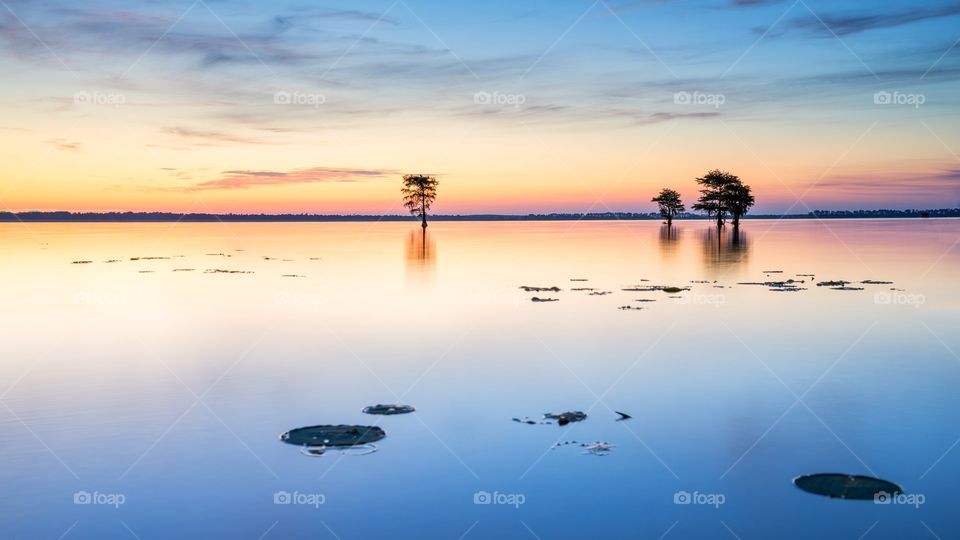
[(721, 194)]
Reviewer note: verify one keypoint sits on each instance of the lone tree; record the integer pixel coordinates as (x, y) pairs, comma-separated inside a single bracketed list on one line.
[(715, 195), (670, 204), (740, 199), (419, 192)]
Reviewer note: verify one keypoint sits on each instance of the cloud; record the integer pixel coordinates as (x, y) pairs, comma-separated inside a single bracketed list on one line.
[(853, 23), (241, 179), (64, 144), (209, 136)]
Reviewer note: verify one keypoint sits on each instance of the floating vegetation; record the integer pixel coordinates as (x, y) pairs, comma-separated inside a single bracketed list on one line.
[(293, 275), (145, 271), (773, 271), (598, 448), (112, 261), (333, 436), (269, 258), (630, 308), (600, 293), (839, 283), (314, 258), (806, 275), (845, 486), (222, 271), (846, 288), (81, 262), (674, 290), (388, 409), (184, 269), (528, 288), (355, 450), (699, 281), (219, 255), (584, 289), (538, 299), (579, 279), (787, 283), (149, 258), (566, 417), (788, 289), (640, 289), (527, 420), (875, 282)]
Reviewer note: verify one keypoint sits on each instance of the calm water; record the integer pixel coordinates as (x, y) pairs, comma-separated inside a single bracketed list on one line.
[(165, 390)]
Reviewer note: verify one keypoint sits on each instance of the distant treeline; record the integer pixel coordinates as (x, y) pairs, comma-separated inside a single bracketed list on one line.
[(91, 217)]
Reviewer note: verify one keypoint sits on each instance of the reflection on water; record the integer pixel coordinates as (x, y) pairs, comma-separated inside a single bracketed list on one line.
[(724, 249), (100, 362), (421, 255), (669, 241)]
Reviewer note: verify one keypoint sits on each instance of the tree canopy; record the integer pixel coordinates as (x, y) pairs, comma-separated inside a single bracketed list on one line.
[(669, 203), (419, 191), (723, 193)]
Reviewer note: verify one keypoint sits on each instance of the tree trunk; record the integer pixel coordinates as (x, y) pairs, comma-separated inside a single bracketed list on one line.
[(423, 213), (669, 220)]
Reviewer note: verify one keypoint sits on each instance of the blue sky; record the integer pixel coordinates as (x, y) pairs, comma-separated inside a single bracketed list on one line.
[(397, 85)]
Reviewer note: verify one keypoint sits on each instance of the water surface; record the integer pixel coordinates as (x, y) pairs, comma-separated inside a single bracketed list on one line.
[(169, 388)]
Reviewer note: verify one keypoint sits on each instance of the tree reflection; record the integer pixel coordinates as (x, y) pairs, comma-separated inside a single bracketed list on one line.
[(420, 254), (669, 241), (724, 248)]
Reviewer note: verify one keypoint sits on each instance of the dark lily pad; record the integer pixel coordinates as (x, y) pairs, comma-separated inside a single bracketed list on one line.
[(389, 409), (846, 486), (333, 436), (567, 417)]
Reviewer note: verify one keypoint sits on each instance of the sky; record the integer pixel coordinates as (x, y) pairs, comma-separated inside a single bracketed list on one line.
[(516, 106)]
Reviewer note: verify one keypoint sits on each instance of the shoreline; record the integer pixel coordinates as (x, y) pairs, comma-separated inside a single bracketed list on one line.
[(164, 217)]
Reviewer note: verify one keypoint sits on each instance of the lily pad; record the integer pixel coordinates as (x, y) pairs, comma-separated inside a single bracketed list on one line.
[(846, 486), (389, 409), (567, 417), (333, 436)]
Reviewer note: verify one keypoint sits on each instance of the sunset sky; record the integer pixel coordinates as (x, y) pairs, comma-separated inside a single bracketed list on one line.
[(517, 106)]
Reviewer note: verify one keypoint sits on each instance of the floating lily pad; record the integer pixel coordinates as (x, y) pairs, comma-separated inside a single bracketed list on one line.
[(333, 436), (567, 417), (846, 486), (389, 409)]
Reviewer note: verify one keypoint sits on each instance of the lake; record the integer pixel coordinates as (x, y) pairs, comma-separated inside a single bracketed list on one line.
[(144, 398)]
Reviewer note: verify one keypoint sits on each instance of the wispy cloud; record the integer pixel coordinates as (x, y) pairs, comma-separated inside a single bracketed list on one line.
[(853, 23), (209, 136), (245, 179), (64, 144)]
